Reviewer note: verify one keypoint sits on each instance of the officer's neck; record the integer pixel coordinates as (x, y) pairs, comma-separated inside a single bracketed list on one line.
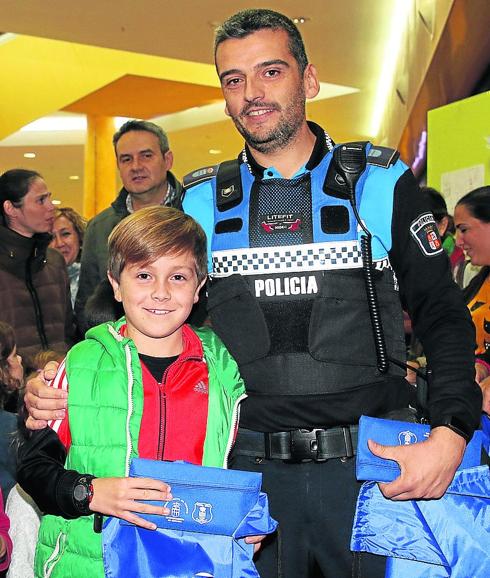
[(292, 156)]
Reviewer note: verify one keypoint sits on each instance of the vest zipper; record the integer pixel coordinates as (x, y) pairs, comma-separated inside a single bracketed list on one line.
[(55, 557), (233, 428), (129, 443), (163, 420)]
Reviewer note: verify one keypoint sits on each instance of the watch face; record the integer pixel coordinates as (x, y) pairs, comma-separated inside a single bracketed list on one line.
[(80, 493)]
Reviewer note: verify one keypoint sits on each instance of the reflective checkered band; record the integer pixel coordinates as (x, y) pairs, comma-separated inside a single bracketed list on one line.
[(287, 259)]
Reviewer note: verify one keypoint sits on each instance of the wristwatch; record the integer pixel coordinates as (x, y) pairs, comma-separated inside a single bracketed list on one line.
[(83, 493), (455, 424)]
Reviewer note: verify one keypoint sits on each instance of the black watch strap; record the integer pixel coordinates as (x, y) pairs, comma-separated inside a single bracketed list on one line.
[(82, 494)]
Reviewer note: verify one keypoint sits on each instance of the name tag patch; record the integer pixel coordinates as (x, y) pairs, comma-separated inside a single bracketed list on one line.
[(424, 231)]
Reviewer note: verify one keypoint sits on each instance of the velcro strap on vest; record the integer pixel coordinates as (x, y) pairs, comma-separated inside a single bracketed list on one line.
[(229, 192), (301, 445)]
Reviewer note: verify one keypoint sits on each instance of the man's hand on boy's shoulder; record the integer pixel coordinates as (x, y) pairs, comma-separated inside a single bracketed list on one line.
[(122, 497), (44, 403)]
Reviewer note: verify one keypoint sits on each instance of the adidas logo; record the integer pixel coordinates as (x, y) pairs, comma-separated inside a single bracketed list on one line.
[(201, 387)]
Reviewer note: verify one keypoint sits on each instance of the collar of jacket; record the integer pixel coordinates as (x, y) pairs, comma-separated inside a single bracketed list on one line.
[(105, 333), (16, 249), (119, 204)]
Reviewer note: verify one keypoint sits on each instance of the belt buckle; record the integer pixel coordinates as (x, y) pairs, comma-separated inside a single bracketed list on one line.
[(304, 445)]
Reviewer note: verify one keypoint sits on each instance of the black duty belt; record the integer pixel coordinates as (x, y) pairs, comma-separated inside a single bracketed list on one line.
[(300, 445)]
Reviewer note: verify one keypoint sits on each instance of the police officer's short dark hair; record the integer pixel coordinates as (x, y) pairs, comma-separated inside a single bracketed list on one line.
[(146, 126), (246, 22)]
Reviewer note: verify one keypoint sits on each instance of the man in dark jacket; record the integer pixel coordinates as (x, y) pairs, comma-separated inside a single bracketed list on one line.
[(144, 161)]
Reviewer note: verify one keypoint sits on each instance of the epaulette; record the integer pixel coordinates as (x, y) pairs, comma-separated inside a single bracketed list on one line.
[(199, 176), (382, 156)]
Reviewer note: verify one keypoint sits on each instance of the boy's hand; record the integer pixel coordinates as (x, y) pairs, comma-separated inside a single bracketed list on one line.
[(118, 497), (43, 402)]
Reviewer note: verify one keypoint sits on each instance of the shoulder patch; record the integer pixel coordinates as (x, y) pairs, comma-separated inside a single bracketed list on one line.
[(199, 176), (424, 231), (382, 156)]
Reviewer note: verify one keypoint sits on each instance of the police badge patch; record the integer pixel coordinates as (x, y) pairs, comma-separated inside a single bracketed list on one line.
[(424, 231)]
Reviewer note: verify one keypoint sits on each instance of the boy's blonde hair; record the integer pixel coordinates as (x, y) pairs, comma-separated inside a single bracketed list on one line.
[(148, 234)]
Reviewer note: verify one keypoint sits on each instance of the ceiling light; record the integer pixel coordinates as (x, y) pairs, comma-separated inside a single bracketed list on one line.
[(119, 121), (399, 23), (215, 151), (56, 202), (6, 37), (52, 123), (300, 19), (30, 155), (74, 178)]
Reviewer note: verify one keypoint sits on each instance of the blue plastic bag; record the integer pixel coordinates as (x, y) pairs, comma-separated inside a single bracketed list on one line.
[(211, 513), (445, 538), (394, 433), (449, 537)]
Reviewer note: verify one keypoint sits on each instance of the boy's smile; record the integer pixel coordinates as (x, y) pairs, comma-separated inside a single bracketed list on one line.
[(157, 299)]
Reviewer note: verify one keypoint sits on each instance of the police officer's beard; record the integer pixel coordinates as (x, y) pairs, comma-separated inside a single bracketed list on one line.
[(279, 136)]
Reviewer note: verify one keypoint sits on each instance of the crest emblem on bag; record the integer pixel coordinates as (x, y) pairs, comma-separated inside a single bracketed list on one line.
[(202, 513), (405, 438), (178, 510)]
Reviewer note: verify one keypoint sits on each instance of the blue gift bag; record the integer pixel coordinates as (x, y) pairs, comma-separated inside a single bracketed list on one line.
[(394, 433), (445, 538), (449, 537), (211, 513)]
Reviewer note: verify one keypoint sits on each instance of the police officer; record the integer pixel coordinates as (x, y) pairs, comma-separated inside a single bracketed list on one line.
[(287, 224), (287, 295)]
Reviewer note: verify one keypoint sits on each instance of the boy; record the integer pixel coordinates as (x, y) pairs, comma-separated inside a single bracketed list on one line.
[(147, 385)]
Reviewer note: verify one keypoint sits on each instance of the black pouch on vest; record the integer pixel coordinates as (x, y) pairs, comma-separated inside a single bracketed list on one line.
[(237, 318), (340, 327)]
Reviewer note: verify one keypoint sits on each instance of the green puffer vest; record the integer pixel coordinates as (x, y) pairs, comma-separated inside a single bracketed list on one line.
[(105, 405)]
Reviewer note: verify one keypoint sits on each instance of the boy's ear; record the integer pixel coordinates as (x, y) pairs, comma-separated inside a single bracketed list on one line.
[(115, 287), (198, 289)]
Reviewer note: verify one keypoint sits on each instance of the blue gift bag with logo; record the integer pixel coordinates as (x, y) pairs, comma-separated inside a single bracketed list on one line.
[(399, 433), (445, 538), (211, 513)]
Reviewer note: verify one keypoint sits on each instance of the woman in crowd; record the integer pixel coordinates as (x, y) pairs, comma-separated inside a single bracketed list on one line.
[(11, 381), (472, 220), (34, 287), (68, 230), (11, 370)]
